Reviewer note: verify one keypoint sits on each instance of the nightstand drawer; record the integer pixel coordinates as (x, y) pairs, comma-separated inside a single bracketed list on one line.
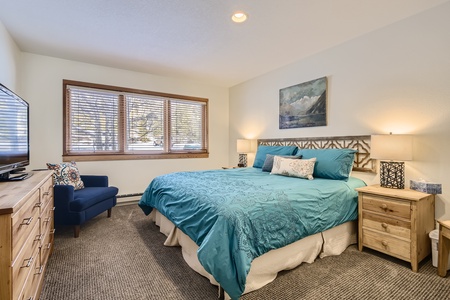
[(387, 244), (401, 209), (388, 225)]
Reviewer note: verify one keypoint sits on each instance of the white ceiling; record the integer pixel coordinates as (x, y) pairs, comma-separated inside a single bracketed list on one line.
[(196, 39)]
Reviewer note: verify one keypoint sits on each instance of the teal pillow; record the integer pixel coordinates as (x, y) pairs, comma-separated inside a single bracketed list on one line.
[(330, 163), (262, 151)]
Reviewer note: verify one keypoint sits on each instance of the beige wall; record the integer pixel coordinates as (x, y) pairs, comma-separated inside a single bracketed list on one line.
[(392, 80), (9, 61), (42, 87)]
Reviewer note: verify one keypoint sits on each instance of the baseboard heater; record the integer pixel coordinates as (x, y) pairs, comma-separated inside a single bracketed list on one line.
[(128, 198)]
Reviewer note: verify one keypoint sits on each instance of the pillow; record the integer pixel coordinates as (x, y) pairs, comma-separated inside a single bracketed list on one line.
[(302, 168), (262, 151), (268, 163), (66, 174), (331, 163)]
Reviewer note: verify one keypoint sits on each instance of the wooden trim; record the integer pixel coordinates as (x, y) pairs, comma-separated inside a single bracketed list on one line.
[(361, 143), (130, 90)]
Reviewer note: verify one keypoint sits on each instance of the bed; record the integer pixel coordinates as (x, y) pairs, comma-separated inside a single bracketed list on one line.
[(240, 227)]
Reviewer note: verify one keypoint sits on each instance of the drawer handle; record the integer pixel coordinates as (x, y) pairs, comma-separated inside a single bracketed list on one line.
[(53, 208), (27, 221), (31, 298), (52, 231), (49, 245), (384, 206), (47, 219), (30, 260), (39, 204), (39, 237), (40, 269), (384, 225), (384, 243), (46, 193)]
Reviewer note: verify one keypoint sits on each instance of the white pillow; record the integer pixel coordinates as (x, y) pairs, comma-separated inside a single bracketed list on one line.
[(302, 168)]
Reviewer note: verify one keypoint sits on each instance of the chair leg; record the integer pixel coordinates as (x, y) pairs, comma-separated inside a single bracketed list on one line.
[(109, 212), (76, 231)]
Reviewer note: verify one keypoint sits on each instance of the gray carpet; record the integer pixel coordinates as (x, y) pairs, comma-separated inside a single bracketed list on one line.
[(123, 257)]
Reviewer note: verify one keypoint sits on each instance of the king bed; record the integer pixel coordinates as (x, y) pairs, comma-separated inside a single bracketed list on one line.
[(240, 227)]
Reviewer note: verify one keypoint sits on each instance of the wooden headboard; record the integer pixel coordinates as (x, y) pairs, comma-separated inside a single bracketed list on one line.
[(361, 143)]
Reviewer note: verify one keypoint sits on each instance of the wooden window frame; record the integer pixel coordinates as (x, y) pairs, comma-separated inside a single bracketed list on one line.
[(121, 154)]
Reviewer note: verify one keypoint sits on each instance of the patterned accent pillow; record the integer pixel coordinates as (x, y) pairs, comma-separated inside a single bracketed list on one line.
[(66, 174), (268, 163), (302, 168)]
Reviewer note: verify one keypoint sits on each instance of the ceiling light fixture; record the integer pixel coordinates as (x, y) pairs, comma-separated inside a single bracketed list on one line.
[(239, 17)]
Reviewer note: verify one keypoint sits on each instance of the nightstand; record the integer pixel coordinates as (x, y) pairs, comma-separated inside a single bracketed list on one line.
[(396, 222)]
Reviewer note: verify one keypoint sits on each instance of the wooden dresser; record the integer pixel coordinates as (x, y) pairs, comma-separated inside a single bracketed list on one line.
[(26, 235), (396, 222)]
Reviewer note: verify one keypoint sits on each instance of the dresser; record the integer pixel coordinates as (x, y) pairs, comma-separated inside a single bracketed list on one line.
[(26, 235), (396, 222)]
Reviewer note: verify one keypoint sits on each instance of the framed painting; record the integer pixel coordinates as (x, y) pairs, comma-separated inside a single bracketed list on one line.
[(304, 104)]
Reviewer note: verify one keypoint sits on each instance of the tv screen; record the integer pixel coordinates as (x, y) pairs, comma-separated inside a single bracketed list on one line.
[(14, 132)]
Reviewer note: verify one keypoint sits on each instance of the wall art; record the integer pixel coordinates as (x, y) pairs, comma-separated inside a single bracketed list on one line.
[(304, 104)]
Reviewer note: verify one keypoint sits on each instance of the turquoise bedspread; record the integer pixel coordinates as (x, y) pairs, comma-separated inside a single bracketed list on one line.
[(236, 215)]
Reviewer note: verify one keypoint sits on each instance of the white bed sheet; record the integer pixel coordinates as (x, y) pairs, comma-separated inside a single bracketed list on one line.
[(264, 269)]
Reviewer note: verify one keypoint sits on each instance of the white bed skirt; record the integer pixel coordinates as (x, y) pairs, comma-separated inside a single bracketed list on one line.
[(264, 269)]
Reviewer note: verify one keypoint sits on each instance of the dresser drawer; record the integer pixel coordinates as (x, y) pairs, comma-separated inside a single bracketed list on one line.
[(25, 261), (388, 244), (46, 191), (46, 248), (31, 284), (46, 218), (386, 224), (24, 221), (384, 205)]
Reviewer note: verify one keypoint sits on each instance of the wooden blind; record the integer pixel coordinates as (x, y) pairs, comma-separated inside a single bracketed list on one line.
[(119, 121)]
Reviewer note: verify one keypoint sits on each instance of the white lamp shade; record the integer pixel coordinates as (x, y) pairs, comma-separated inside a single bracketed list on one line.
[(391, 147), (243, 146)]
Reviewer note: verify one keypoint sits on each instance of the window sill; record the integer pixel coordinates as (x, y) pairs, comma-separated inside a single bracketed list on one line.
[(105, 157)]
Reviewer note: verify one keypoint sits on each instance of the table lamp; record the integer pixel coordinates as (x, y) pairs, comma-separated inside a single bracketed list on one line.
[(243, 147), (391, 150)]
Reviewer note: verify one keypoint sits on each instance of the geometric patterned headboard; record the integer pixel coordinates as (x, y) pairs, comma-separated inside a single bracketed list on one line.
[(361, 143)]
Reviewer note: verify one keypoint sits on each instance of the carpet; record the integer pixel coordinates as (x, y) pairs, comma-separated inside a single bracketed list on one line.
[(123, 257)]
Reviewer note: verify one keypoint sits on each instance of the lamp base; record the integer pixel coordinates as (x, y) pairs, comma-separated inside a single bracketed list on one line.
[(242, 160), (392, 174)]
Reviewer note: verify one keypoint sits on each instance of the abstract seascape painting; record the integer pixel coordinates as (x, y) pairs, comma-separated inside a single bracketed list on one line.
[(304, 104)]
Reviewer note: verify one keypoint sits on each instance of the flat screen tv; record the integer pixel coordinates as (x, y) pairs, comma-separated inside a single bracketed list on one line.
[(14, 135)]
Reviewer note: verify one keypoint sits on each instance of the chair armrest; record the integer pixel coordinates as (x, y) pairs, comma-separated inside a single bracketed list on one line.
[(94, 180)]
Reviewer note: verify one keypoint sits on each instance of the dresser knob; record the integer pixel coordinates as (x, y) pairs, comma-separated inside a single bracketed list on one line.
[(384, 206), (384, 225), (384, 243)]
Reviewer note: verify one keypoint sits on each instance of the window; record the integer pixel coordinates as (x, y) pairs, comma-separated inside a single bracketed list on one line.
[(112, 123)]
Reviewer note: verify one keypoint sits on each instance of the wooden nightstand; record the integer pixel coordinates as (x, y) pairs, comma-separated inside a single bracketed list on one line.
[(395, 222)]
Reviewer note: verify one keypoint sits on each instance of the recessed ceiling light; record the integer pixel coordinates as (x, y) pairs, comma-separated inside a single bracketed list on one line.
[(239, 17)]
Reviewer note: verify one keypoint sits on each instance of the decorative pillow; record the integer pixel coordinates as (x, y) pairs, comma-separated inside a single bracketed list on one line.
[(331, 163), (268, 163), (66, 174), (302, 168), (262, 151)]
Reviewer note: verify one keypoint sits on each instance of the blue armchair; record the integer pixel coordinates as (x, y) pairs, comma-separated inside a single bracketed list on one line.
[(74, 207)]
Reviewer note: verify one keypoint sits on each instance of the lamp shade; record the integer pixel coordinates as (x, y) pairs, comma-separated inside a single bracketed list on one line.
[(391, 147), (243, 146)]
